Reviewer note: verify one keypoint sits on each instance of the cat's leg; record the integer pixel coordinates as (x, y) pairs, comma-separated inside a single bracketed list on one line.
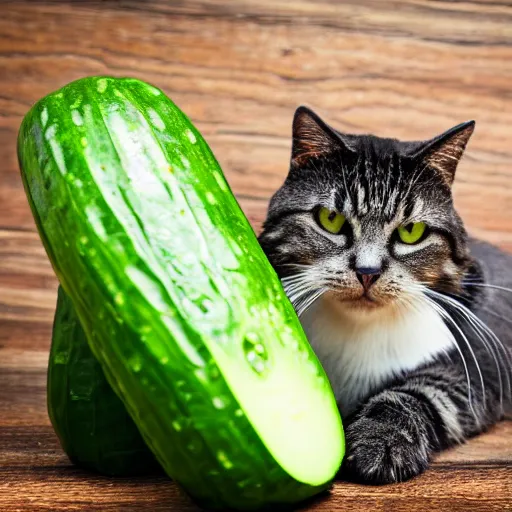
[(393, 435)]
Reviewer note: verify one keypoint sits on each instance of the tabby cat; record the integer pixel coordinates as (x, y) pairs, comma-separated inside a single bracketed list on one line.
[(411, 318)]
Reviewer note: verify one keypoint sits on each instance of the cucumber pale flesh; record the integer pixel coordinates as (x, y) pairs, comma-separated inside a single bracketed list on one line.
[(179, 303)]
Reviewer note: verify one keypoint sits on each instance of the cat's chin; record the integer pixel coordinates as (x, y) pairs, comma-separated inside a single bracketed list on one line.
[(359, 305), (364, 303)]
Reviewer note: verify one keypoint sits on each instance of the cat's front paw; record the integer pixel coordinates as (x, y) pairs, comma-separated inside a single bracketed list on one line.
[(383, 452)]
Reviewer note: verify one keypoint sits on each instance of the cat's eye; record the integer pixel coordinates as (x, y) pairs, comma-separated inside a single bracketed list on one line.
[(412, 233), (331, 220)]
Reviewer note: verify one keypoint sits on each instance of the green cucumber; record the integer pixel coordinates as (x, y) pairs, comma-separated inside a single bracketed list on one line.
[(179, 303), (90, 420)]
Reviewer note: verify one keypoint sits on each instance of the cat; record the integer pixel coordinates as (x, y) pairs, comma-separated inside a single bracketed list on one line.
[(409, 316)]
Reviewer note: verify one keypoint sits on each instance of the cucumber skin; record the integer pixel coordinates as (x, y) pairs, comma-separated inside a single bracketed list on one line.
[(91, 421), (90, 224)]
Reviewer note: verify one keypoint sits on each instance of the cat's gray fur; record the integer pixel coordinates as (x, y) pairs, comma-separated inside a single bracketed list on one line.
[(412, 370)]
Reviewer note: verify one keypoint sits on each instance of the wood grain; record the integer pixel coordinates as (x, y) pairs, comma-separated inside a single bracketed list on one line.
[(407, 69)]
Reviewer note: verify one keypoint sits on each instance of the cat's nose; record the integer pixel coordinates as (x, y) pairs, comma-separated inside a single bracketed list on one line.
[(367, 275)]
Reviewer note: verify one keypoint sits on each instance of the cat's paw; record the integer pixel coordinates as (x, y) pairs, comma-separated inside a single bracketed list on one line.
[(383, 452)]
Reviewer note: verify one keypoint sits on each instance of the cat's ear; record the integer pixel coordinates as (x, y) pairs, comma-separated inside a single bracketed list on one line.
[(311, 137), (444, 152)]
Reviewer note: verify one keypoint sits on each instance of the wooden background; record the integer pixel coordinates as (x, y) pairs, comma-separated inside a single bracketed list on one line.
[(408, 69)]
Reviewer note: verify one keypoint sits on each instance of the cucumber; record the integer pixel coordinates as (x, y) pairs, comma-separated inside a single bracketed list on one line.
[(90, 420), (179, 303)]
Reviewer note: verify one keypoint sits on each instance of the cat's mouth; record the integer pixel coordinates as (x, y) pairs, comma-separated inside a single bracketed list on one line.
[(362, 300)]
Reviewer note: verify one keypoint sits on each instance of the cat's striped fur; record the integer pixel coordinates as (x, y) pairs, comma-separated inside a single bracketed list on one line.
[(426, 362)]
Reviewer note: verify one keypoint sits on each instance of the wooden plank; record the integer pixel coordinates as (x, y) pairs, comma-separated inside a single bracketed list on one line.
[(55, 490), (40, 478), (408, 69), (405, 69)]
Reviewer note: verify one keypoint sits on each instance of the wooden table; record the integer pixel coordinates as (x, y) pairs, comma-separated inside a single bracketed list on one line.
[(406, 69)]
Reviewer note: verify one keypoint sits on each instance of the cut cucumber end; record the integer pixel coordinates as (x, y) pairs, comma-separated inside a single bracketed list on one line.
[(293, 411)]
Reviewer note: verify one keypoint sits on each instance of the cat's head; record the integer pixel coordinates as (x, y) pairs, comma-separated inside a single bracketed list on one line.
[(366, 218)]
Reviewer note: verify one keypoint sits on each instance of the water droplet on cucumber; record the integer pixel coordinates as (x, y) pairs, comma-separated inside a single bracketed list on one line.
[(191, 136), (77, 118), (61, 358), (220, 180), (44, 117), (212, 371), (102, 85), (252, 337), (218, 403), (255, 352), (185, 162), (50, 132), (194, 447), (156, 120), (119, 298), (135, 363), (259, 349), (205, 305), (224, 460), (81, 245), (211, 198), (251, 356)]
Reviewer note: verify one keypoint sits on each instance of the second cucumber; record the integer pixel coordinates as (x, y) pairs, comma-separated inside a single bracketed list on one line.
[(91, 421)]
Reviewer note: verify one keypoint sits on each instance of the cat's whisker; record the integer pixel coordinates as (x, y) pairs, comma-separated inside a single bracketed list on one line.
[(416, 176), (294, 283), (302, 287), (479, 331), (294, 277), (473, 278), (420, 292), (296, 280), (446, 316), (491, 351), (498, 344), (295, 265), (494, 314), (298, 300), (299, 287), (474, 320), (487, 285), (301, 267), (347, 192), (309, 302), (301, 272), (301, 292), (468, 344), (487, 310), (298, 274)]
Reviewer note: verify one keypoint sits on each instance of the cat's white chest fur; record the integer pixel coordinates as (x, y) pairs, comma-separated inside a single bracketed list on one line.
[(359, 352)]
